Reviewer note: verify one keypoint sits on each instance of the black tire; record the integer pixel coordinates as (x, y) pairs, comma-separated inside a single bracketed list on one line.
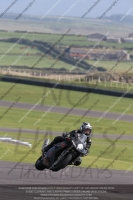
[(39, 165), (62, 164)]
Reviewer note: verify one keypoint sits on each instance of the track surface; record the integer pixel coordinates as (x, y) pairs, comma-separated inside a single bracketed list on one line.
[(95, 135), (25, 173), (79, 112)]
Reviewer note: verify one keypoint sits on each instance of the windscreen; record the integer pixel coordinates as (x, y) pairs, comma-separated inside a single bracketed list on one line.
[(82, 137)]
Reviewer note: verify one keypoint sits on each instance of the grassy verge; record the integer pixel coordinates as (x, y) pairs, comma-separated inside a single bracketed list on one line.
[(79, 40), (14, 153), (14, 48), (103, 85), (32, 94), (52, 38), (51, 121), (121, 66), (29, 61)]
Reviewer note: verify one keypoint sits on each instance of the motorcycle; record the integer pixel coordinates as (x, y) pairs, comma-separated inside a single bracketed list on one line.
[(63, 153)]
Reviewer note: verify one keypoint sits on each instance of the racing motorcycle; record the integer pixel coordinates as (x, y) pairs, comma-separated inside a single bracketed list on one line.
[(63, 153)]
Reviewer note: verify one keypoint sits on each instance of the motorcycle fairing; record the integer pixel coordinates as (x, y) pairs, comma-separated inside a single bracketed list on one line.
[(55, 150), (80, 139)]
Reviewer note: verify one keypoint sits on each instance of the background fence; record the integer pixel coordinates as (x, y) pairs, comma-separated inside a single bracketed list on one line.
[(66, 77), (65, 86)]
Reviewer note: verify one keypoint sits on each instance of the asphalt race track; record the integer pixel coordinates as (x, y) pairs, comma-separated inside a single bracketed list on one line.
[(94, 135), (25, 173), (62, 110)]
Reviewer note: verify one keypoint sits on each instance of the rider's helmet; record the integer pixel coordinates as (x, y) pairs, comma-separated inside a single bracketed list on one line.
[(86, 128)]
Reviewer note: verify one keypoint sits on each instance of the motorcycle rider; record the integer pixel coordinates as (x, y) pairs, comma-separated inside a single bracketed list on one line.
[(85, 128)]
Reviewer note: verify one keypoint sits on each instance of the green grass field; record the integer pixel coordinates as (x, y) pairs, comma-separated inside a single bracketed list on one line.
[(30, 60), (121, 67), (66, 40), (52, 38), (16, 118), (19, 55), (122, 152), (34, 95), (103, 85), (14, 48)]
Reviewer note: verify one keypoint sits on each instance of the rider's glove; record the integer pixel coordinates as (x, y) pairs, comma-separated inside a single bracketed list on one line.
[(66, 136), (87, 151)]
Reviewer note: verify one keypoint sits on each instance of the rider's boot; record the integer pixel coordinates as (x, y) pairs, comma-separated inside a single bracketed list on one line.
[(45, 147), (78, 161)]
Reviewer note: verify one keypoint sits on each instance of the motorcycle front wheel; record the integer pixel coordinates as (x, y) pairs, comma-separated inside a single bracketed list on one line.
[(62, 164), (39, 165)]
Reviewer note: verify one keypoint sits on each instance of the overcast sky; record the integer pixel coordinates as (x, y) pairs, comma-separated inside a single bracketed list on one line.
[(67, 7)]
